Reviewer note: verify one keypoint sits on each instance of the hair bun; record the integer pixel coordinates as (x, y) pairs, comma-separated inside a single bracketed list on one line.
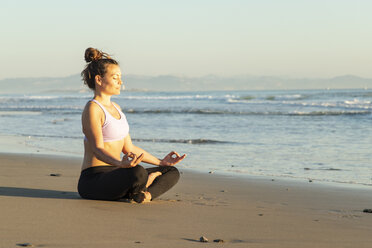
[(92, 54)]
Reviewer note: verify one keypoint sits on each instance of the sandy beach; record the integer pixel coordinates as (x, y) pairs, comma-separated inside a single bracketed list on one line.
[(44, 210)]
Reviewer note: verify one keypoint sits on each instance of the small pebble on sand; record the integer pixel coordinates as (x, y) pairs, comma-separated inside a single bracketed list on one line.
[(203, 239), (368, 210), (219, 241), (211, 172), (55, 175), (25, 245)]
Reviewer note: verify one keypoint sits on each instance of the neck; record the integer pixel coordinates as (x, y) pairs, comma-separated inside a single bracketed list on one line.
[(102, 98)]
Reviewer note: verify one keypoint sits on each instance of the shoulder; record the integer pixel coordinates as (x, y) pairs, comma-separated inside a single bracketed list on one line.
[(92, 109), (91, 106)]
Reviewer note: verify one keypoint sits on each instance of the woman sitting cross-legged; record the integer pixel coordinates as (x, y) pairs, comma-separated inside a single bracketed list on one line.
[(105, 175)]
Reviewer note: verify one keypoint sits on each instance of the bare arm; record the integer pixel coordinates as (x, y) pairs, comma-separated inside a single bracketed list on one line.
[(147, 158), (171, 159)]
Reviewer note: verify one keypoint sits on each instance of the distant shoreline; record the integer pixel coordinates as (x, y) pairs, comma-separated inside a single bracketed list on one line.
[(170, 83)]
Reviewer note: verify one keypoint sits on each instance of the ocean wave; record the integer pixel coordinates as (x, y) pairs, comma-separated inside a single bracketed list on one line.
[(30, 136), (229, 112), (348, 104), (348, 94), (330, 113), (63, 110), (172, 97), (12, 113), (185, 141), (182, 141), (245, 98), (55, 121), (184, 111), (344, 104), (16, 98), (24, 108), (286, 97), (357, 102)]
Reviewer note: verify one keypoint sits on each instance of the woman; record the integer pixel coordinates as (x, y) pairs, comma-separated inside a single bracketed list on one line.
[(105, 176)]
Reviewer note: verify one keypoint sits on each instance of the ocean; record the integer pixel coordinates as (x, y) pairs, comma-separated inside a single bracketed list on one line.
[(318, 135)]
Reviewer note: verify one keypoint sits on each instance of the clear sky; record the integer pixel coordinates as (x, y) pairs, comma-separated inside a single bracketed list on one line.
[(295, 38)]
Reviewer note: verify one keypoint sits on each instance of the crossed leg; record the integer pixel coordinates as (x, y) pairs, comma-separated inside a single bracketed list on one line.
[(160, 179)]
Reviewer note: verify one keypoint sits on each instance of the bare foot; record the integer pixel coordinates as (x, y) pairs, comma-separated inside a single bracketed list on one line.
[(152, 177), (142, 197), (147, 197)]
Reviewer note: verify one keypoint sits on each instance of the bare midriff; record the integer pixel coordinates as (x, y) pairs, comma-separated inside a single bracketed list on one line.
[(113, 149)]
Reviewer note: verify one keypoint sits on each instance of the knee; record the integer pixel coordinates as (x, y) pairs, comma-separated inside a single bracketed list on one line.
[(139, 174), (175, 173)]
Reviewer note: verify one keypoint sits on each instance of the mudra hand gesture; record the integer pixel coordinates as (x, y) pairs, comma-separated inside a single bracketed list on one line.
[(171, 159), (131, 160)]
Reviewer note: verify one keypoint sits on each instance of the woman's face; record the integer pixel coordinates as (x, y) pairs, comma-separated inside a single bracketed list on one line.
[(111, 82)]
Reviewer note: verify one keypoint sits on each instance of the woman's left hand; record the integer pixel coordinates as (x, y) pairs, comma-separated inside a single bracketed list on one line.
[(171, 159)]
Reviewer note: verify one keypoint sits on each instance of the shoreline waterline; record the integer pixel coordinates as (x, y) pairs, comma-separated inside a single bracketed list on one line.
[(17, 145)]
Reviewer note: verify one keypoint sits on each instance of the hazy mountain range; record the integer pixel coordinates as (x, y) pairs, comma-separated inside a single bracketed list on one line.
[(182, 83)]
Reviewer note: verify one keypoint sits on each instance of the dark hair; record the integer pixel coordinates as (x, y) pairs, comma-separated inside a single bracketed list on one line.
[(97, 65)]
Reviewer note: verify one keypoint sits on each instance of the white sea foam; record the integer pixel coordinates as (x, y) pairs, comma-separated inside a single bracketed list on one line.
[(294, 96), (179, 97), (20, 113)]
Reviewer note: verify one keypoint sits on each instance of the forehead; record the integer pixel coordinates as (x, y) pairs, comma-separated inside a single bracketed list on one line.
[(113, 69)]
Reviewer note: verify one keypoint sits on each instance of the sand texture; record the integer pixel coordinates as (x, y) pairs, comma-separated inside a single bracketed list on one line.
[(44, 210)]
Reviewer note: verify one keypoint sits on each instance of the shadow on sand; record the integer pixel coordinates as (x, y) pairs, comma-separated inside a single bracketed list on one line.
[(38, 193)]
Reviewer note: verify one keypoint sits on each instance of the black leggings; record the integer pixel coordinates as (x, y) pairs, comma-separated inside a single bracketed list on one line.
[(113, 183)]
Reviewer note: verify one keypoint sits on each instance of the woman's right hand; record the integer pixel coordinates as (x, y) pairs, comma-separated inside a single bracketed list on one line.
[(131, 160)]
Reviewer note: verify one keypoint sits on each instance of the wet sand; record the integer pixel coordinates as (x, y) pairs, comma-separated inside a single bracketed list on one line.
[(46, 211)]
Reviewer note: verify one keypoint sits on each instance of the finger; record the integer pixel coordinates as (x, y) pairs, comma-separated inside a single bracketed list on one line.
[(139, 159), (142, 156), (128, 156), (179, 159), (174, 153), (125, 158), (134, 158), (177, 154)]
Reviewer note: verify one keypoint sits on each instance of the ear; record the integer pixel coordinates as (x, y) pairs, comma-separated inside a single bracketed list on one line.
[(98, 80)]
